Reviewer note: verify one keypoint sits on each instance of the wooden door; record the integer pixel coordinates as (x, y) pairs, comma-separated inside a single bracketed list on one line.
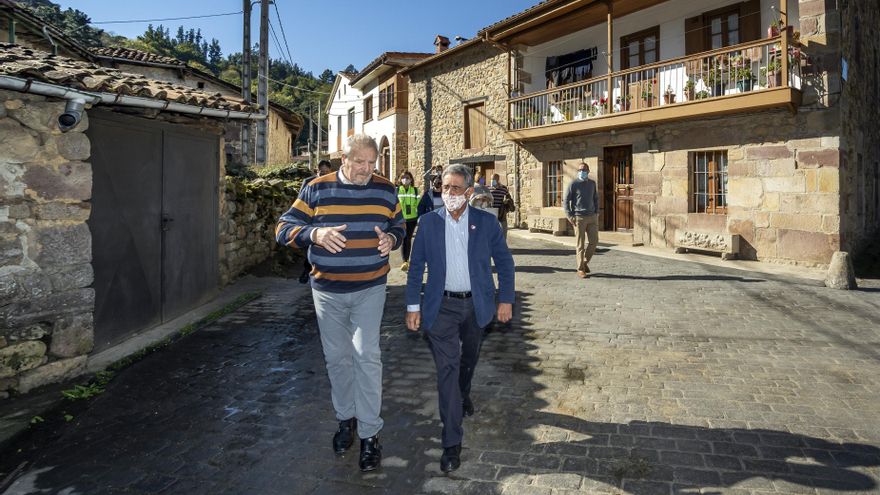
[(619, 180)]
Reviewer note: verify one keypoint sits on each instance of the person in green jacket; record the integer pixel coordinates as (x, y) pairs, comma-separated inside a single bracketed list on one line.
[(408, 195)]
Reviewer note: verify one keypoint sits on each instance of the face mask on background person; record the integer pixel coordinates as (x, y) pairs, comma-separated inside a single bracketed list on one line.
[(454, 202), (494, 183), (405, 181), (583, 174)]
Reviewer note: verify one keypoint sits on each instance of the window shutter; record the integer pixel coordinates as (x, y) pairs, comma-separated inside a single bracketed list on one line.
[(750, 20), (694, 36)]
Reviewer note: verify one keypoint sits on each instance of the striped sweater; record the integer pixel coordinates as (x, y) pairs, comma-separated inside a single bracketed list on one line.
[(328, 202)]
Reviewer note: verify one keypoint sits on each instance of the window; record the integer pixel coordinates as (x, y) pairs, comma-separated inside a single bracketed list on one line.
[(553, 183), (709, 181), (351, 121), (475, 126), (731, 25), (386, 97), (640, 48), (368, 108), (569, 68)]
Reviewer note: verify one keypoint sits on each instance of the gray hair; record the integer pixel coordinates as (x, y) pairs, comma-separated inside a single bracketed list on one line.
[(359, 142), (461, 171)]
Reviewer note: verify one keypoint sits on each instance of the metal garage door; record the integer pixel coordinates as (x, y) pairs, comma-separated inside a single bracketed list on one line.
[(153, 222)]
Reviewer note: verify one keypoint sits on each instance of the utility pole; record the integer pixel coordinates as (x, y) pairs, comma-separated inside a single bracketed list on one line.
[(320, 111), (311, 165), (246, 81), (262, 81)]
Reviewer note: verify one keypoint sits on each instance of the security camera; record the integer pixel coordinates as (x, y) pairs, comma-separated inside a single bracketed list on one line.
[(72, 115)]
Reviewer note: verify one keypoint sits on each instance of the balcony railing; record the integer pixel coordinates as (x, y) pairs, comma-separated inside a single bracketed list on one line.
[(740, 69)]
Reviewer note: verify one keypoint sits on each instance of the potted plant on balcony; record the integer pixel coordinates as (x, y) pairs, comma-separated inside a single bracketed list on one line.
[(622, 104), (702, 95), (744, 78), (669, 95), (771, 75), (648, 96), (774, 28), (717, 72), (689, 89)]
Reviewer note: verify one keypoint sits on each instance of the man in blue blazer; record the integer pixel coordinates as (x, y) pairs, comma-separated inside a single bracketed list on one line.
[(457, 243)]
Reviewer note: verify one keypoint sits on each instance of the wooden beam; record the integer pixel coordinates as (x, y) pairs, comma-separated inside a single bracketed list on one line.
[(783, 16), (609, 56)]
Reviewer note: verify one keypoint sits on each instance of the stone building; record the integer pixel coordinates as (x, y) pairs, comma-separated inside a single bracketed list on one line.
[(374, 102), (109, 212), (698, 131)]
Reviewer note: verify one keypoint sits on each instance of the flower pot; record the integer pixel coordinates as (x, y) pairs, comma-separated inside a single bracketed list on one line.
[(669, 99), (689, 94), (772, 31), (774, 79), (744, 85), (647, 102)]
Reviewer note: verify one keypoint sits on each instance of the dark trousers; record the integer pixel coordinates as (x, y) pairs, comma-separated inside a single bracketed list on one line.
[(407, 240), (455, 341)]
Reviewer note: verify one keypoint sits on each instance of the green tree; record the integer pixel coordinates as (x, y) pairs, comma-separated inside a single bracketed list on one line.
[(74, 23)]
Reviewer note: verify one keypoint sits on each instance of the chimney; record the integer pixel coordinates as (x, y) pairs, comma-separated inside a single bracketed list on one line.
[(441, 43)]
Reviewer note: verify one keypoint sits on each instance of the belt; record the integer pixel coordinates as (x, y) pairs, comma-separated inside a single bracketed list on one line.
[(457, 295)]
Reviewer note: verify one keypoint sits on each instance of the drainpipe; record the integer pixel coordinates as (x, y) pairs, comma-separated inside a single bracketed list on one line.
[(11, 30), (54, 45), (518, 201), (46, 89)]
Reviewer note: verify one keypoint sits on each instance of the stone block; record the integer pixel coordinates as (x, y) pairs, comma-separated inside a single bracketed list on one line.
[(831, 224), (11, 252), (810, 203), (745, 192), (762, 219), (54, 372), (70, 181), (73, 146), (719, 242), (793, 184), (829, 180), (675, 188), (771, 202), (58, 245), (553, 211), (783, 167), (769, 152), (741, 168), (40, 309), (819, 158), (40, 116), (809, 8), (841, 274), (11, 182), (676, 159), (17, 144), (811, 247), (765, 243), (20, 357), (558, 226), (72, 336), (35, 331), (668, 205), (736, 153), (658, 231), (796, 221), (76, 212), (648, 182), (811, 178), (705, 222)]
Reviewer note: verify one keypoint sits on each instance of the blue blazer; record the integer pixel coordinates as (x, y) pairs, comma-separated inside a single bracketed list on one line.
[(485, 244)]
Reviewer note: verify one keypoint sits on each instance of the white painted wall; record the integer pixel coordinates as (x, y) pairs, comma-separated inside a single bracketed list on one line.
[(346, 97), (669, 16)]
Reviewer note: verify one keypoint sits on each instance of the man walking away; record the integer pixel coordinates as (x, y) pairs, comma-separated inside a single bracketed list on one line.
[(581, 206), (349, 221)]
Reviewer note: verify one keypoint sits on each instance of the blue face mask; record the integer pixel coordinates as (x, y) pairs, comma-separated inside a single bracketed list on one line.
[(583, 174), (494, 183)]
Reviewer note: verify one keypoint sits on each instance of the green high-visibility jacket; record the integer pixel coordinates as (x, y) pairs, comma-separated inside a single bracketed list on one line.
[(409, 201)]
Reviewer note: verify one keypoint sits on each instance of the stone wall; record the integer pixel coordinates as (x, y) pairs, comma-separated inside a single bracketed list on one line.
[(279, 140), (860, 137), (248, 215), (46, 305)]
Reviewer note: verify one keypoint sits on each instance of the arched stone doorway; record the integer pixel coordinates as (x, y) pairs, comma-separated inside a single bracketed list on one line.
[(384, 165)]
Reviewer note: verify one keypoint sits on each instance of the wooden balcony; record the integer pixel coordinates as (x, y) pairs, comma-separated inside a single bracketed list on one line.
[(742, 78)]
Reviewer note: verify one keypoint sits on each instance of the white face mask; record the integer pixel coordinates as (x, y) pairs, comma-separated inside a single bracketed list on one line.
[(454, 203), (404, 181)]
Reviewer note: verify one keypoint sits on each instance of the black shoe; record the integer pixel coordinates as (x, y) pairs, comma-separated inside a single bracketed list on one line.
[(467, 406), (344, 436), (451, 459), (371, 454)]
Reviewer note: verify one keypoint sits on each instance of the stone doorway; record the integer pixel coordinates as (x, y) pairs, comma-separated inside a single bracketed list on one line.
[(617, 188)]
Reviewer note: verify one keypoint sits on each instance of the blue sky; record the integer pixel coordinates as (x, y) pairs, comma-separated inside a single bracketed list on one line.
[(321, 33)]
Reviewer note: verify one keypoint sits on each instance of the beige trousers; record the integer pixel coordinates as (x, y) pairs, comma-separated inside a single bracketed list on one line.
[(587, 232)]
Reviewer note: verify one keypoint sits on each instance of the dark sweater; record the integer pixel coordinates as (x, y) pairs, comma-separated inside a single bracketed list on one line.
[(581, 199)]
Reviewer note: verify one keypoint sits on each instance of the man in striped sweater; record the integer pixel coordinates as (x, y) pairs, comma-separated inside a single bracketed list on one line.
[(349, 222)]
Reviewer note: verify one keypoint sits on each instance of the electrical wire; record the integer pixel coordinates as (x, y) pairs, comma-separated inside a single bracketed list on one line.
[(283, 35), (131, 21), (278, 45)]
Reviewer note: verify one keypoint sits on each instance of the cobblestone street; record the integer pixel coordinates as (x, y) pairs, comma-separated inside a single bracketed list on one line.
[(651, 377)]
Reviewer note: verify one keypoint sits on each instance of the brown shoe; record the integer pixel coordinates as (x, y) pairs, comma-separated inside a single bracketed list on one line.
[(582, 274)]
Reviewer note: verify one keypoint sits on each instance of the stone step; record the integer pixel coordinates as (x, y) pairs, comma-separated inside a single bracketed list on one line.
[(616, 238)]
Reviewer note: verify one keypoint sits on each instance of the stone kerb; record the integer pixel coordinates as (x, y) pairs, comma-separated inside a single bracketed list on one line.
[(46, 305)]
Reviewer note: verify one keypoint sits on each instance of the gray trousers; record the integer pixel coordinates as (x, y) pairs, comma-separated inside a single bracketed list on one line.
[(349, 325)]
